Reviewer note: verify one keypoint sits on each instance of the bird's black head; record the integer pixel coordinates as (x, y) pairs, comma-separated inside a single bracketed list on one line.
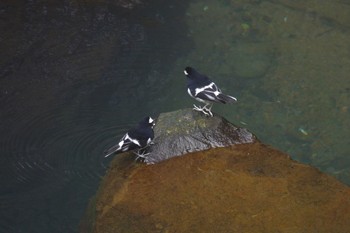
[(194, 75), (189, 71), (147, 121)]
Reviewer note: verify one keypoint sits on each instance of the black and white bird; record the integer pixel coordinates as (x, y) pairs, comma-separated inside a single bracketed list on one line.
[(201, 88), (136, 139)]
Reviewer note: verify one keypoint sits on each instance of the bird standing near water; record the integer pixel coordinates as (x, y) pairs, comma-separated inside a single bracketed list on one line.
[(136, 139), (201, 88)]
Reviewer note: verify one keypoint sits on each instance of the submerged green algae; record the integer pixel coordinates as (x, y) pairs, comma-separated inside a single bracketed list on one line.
[(289, 71)]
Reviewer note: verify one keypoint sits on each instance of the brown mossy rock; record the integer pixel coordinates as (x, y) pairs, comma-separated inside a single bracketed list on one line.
[(241, 188)]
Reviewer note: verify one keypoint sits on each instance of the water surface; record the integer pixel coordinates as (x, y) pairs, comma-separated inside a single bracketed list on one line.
[(75, 75)]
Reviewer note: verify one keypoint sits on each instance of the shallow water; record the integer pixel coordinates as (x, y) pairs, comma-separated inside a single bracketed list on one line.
[(288, 65), (74, 76)]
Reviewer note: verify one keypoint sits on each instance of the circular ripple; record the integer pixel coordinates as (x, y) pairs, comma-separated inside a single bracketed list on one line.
[(46, 151), (52, 160)]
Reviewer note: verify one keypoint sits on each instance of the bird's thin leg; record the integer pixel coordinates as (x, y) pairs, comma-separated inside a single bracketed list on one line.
[(205, 109), (137, 158), (141, 153), (208, 109), (200, 109), (196, 108)]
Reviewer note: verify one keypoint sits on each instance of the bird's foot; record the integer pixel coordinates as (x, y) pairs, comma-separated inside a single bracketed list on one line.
[(210, 113), (208, 110), (203, 109), (196, 108), (141, 154), (200, 109)]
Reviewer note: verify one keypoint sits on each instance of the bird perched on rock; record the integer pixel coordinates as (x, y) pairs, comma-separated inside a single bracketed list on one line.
[(201, 88), (137, 138)]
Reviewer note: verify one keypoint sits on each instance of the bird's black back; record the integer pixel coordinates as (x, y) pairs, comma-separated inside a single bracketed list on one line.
[(195, 78), (143, 131), (142, 134)]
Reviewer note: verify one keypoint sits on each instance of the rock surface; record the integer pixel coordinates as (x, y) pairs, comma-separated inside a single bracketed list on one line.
[(185, 130), (240, 188)]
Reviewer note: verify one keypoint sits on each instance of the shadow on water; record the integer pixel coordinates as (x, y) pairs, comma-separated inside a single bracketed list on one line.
[(73, 76)]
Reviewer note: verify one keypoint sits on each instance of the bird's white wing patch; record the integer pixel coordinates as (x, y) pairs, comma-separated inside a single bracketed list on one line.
[(208, 88), (150, 120), (189, 92), (210, 97), (135, 141), (122, 142), (216, 93)]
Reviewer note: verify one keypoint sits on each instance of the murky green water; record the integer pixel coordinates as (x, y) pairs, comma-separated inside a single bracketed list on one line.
[(75, 75), (289, 65)]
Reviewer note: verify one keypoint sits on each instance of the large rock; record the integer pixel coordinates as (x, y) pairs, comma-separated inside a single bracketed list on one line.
[(240, 188), (184, 131)]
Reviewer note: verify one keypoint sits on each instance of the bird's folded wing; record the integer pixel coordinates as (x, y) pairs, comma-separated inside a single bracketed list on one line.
[(212, 93), (209, 92)]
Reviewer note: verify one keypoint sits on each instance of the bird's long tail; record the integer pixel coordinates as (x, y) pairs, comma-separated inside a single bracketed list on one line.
[(227, 99), (112, 150)]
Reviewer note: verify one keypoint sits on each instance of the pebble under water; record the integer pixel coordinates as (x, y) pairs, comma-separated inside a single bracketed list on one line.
[(74, 77)]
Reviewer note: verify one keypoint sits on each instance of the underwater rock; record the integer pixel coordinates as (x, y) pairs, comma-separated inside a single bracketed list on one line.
[(185, 130), (246, 187), (250, 60)]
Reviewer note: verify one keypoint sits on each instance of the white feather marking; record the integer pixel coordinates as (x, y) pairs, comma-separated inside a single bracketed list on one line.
[(135, 141), (189, 92), (200, 100), (185, 72), (232, 98), (198, 90), (120, 144), (210, 97), (216, 93)]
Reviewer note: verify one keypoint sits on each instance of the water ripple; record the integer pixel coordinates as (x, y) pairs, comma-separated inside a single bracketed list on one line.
[(52, 158), (49, 150)]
